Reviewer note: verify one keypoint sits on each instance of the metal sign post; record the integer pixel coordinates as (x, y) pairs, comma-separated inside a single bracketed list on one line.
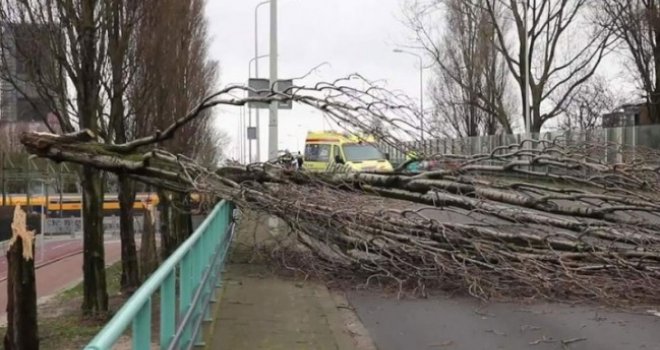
[(252, 133), (261, 88)]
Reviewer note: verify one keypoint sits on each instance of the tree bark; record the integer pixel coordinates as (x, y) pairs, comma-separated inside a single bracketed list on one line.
[(148, 253), (118, 35), (178, 223), (130, 279), (22, 327), (95, 294), (654, 93), (167, 239)]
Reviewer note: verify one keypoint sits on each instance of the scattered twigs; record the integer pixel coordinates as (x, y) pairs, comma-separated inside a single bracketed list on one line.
[(534, 219)]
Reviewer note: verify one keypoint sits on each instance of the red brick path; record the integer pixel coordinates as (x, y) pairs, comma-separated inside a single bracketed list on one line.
[(64, 273)]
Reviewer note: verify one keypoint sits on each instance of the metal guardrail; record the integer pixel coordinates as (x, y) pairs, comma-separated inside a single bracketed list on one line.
[(630, 137), (186, 282)]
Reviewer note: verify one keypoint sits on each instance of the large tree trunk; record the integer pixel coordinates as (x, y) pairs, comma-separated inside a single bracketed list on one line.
[(654, 110), (148, 253), (178, 222), (184, 217), (167, 238), (117, 35), (488, 224), (22, 328), (95, 294), (129, 263), (175, 222)]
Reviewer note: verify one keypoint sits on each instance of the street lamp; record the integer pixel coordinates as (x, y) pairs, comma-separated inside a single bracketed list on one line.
[(528, 63), (254, 59), (421, 89), (256, 67), (241, 130)]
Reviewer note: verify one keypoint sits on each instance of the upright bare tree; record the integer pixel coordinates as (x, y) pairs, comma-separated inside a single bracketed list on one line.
[(173, 74), (564, 49), (469, 92), (210, 145), (122, 19), (636, 23), (586, 105), (60, 44)]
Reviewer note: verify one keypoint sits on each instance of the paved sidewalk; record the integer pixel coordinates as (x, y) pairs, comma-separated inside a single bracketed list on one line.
[(259, 310)]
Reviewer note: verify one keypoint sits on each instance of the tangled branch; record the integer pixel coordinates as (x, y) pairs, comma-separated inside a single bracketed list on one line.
[(535, 219)]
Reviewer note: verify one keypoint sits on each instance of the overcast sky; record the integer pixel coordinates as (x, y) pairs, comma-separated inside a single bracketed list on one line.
[(350, 35)]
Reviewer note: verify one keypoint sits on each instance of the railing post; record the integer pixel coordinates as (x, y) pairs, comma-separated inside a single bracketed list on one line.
[(197, 262), (167, 310), (194, 266), (142, 327), (185, 289)]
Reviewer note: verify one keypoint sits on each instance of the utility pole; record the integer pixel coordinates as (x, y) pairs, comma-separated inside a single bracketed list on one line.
[(272, 120), (273, 222), (528, 126), (421, 91), (256, 70)]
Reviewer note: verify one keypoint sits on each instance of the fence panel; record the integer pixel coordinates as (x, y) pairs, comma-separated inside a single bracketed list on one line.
[(196, 264)]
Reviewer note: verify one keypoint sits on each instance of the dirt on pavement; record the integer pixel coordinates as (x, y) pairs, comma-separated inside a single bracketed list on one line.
[(442, 322)]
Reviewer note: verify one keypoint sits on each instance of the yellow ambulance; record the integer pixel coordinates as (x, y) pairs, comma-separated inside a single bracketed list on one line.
[(325, 150)]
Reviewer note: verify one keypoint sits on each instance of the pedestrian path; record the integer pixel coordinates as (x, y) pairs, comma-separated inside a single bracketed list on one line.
[(261, 310)]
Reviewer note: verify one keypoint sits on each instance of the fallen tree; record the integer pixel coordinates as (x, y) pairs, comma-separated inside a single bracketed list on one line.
[(535, 219)]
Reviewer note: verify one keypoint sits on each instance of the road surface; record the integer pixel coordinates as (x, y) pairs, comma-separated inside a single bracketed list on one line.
[(462, 323), (65, 272), (53, 249)]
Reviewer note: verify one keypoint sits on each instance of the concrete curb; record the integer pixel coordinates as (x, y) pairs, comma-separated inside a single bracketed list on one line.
[(344, 323)]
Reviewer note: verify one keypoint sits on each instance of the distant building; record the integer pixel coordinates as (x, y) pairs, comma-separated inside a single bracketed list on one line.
[(26, 57), (630, 114)]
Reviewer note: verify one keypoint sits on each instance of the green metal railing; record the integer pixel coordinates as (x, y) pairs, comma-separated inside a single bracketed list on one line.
[(186, 281)]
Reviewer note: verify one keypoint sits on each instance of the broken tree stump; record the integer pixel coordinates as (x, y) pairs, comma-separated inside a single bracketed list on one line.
[(22, 328), (148, 251)]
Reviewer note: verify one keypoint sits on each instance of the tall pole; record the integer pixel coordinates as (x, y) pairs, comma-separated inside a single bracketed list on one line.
[(245, 131), (421, 98), (527, 64), (272, 120), (242, 133), (421, 90), (256, 71)]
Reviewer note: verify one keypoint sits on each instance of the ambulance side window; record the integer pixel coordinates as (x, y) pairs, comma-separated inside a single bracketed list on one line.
[(335, 153), (317, 153)]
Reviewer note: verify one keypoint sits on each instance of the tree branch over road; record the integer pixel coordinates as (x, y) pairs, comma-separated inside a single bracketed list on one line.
[(547, 221)]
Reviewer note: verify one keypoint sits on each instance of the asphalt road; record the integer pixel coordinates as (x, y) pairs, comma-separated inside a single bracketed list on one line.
[(465, 323)]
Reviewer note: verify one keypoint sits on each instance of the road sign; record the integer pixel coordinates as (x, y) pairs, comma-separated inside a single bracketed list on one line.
[(251, 133), (261, 88)]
